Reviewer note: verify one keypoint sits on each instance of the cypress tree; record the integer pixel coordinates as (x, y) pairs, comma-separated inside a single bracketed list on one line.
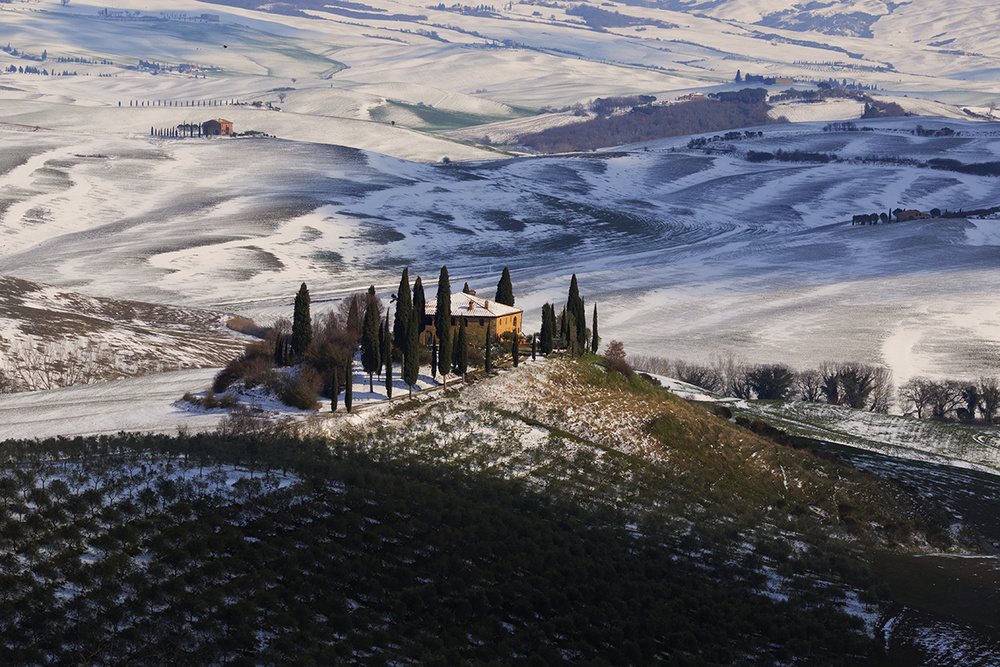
[(371, 358), (461, 355), (354, 318), (434, 359), (581, 328), (411, 359), (533, 346), (548, 328), (488, 364), (349, 386), (505, 290), (387, 356), (466, 289), (404, 311), (594, 337), (442, 323), (279, 348), (335, 387), (515, 350), (419, 305), (563, 326), (301, 323)]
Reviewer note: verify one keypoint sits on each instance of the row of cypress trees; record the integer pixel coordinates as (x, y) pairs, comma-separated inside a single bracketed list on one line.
[(449, 352), (570, 328)]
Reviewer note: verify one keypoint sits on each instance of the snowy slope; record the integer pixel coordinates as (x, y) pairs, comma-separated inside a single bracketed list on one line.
[(688, 254)]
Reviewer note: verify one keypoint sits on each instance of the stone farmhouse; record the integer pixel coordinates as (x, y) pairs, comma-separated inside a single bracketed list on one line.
[(217, 127), (478, 313)]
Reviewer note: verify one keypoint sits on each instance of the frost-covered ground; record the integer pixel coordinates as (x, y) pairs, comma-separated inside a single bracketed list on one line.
[(144, 404)]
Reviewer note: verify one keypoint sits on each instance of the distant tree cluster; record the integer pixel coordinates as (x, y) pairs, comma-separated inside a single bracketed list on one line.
[(654, 121), (862, 386), (951, 400)]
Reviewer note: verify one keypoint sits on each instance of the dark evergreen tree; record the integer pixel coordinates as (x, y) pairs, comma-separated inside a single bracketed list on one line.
[(334, 388), (411, 358), (576, 316), (354, 319), (534, 338), (387, 356), (371, 355), (594, 340), (442, 323), (466, 289), (301, 323), (505, 290), (404, 311), (419, 305), (434, 358), (548, 333), (515, 350), (348, 386)]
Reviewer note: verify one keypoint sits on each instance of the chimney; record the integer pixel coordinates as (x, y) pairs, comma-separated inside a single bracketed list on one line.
[(486, 305)]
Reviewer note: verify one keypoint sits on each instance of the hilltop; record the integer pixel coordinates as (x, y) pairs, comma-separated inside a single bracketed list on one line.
[(562, 493)]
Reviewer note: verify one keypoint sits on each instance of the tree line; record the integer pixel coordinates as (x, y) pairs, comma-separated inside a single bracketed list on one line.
[(856, 385)]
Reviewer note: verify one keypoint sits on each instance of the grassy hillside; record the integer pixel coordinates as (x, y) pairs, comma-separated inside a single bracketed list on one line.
[(556, 512)]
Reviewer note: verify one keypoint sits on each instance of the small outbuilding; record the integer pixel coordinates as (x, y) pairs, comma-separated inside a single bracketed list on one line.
[(217, 127), (912, 214)]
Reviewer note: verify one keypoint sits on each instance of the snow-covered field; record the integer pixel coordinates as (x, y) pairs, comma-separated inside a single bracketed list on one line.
[(687, 254)]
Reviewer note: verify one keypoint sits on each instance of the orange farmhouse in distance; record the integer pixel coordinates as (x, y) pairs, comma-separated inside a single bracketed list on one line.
[(477, 313)]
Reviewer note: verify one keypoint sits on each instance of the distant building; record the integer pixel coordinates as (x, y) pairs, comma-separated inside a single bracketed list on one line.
[(477, 313), (217, 127), (691, 96), (912, 214)]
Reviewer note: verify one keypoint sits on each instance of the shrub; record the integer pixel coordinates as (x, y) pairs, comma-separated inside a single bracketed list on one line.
[(253, 367), (301, 392)]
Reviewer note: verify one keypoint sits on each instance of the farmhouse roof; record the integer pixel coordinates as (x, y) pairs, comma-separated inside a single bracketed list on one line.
[(468, 305)]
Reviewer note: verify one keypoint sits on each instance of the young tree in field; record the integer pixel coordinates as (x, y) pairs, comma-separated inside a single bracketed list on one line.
[(461, 353), (419, 305), (404, 311), (505, 290), (442, 324), (614, 358), (411, 358), (371, 355), (301, 323), (515, 350), (594, 338)]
